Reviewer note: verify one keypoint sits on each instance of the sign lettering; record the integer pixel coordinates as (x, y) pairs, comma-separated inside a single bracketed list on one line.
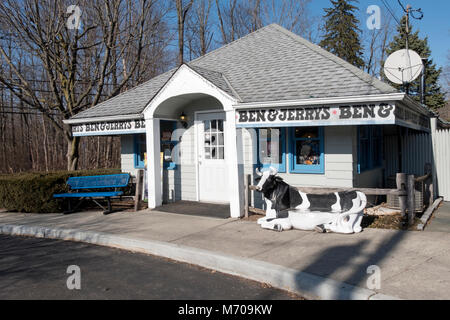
[(109, 127), (332, 115)]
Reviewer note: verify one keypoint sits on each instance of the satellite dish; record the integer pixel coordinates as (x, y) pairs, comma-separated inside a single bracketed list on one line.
[(403, 66)]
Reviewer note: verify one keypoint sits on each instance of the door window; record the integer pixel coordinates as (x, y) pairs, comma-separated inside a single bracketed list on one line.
[(214, 142)]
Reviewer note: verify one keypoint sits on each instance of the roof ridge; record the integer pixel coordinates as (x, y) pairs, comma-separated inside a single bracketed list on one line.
[(203, 68), (361, 74), (234, 42), (231, 87), (227, 82)]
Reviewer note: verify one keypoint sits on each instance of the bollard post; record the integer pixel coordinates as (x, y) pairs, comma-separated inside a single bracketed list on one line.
[(138, 193), (411, 199), (401, 185)]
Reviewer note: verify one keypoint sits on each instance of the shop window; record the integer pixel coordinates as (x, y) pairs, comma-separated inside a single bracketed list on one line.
[(271, 148), (370, 147), (168, 144), (140, 151), (306, 150)]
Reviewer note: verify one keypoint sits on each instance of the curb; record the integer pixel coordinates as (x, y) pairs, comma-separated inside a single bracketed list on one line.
[(308, 285)]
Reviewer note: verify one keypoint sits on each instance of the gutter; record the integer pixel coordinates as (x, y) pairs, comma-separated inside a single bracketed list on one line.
[(319, 101)]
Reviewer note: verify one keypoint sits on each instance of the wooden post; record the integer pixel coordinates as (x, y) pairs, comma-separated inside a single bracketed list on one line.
[(138, 193), (246, 191), (411, 199), (401, 185), (429, 184)]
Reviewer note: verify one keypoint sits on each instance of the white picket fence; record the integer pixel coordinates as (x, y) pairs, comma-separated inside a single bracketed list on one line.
[(441, 146)]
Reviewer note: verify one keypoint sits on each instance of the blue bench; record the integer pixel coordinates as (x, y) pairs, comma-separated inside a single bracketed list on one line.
[(87, 188)]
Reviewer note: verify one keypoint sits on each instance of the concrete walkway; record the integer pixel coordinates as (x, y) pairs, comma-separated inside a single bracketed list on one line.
[(413, 265), (440, 221)]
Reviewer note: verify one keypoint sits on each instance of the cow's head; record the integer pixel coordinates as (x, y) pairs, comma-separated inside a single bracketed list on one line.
[(267, 180)]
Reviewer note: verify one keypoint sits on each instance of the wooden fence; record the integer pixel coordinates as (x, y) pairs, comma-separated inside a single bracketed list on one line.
[(405, 192)]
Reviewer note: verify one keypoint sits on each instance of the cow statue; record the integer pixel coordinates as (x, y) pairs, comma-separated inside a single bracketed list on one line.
[(339, 212)]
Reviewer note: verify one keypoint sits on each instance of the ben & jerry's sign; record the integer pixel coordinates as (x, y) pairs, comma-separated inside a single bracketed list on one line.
[(109, 127), (326, 115)]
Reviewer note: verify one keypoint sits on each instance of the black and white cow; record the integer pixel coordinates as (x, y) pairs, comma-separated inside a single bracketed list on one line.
[(308, 211)]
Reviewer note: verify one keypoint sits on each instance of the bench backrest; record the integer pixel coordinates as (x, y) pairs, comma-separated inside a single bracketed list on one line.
[(94, 182)]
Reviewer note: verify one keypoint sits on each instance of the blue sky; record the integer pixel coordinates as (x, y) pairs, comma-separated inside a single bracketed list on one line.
[(435, 23)]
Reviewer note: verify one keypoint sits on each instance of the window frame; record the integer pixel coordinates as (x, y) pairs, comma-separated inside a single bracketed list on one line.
[(138, 164), (281, 167), (303, 168)]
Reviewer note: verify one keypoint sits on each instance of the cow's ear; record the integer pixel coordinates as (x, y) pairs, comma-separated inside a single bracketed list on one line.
[(278, 179)]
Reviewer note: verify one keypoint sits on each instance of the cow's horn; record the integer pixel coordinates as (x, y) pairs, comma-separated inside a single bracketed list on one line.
[(259, 173), (273, 170)]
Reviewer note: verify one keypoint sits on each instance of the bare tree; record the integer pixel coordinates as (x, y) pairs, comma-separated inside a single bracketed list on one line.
[(376, 41), (238, 18), (446, 77), (293, 15), (199, 33), (73, 69), (182, 11)]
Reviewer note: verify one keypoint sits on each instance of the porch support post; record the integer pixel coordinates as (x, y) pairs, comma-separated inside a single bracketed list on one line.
[(234, 157), (153, 163)]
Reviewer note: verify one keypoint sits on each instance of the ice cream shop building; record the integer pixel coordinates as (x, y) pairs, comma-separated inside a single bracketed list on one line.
[(270, 98)]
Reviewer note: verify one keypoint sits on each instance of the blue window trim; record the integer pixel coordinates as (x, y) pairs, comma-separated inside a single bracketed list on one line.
[(170, 165), (369, 165), (296, 168), (281, 167), (137, 163)]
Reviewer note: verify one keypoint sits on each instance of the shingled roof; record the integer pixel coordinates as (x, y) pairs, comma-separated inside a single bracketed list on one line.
[(270, 64)]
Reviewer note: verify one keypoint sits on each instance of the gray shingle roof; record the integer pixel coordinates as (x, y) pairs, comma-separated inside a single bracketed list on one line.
[(271, 64), (130, 102), (214, 77)]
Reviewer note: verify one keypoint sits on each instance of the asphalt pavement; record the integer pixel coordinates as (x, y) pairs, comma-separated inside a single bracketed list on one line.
[(37, 268), (409, 264)]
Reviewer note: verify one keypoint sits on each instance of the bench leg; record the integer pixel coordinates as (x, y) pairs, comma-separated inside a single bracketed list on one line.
[(109, 207), (76, 207), (69, 207)]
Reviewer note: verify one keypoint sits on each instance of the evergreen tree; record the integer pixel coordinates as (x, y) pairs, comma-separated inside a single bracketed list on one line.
[(342, 35), (434, 98)]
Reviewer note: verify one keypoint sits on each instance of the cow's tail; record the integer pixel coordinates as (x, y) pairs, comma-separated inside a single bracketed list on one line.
[(362, 203)]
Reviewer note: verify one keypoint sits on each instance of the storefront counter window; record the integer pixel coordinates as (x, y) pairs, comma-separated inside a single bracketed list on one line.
[(271, 148), (306, 150)]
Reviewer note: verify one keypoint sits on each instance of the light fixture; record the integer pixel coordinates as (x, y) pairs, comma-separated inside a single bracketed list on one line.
[(183, 120)]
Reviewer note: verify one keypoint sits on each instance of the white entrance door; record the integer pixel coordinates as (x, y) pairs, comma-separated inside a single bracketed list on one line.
[(212, 168)]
